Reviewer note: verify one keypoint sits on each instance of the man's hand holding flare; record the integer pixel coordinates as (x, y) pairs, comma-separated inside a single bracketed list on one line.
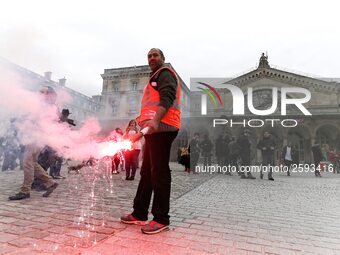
[(139, 135)]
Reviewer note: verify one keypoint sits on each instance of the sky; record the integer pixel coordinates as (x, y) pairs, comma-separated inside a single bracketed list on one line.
[(79, 39)]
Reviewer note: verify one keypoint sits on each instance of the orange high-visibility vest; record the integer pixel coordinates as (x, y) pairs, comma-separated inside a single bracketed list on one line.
[(151, 101)]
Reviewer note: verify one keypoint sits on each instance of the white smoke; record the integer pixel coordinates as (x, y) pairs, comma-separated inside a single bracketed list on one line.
[(37, 121)]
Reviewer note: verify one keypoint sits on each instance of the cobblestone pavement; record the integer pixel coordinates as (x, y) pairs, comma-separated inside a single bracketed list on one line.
[(210, 214)]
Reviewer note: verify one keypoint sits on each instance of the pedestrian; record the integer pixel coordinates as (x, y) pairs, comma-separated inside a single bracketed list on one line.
[(160, 114), (317, 155), (185, 158), (267, 146), (289, 156), (132, 156), (31, 166), (11, 147), (118, 158), (55, 168), (219, 150), (333, 158), (226, 154), (234, 152), (194, 146), (207, 147), (245, 145)]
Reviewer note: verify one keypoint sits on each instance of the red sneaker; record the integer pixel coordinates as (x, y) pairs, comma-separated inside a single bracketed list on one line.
[(154, 227), (129, 219)]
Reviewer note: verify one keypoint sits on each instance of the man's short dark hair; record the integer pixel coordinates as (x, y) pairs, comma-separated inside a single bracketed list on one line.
[(65, 112)]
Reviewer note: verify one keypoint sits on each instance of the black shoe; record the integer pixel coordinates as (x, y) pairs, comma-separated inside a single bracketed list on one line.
[(50, 190), (243, 176), (132, 178), (59, 177), (270, 179), (251, 177), (19, 196), (127, 178), (317, 174)]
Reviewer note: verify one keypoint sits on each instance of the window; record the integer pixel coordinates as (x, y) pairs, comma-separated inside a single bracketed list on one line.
[(134, 85)]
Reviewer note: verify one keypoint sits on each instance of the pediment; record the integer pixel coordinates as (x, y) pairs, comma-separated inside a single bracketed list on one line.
[(275, 77)]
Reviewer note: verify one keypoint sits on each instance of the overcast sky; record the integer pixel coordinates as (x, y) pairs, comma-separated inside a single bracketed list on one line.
[(79, 40)]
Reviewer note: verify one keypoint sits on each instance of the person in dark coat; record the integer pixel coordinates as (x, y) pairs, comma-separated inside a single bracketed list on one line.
[(219, 150), (225, 157), (234, 152), (245, 145), (206, 146), (55, 168), (317, 155), (194, 146), (267, 146)]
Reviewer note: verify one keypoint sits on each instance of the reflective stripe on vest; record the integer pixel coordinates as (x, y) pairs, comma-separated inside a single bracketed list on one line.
[(151, 99)]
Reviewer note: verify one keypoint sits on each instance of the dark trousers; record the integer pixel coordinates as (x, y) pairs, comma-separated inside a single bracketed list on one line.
[(233, 160), (56, 167), (131, 162), (245, 161), (268, 160), (194, 156), (317, 165), (207, 159), (156, 177), (288, 164), (115, 161)]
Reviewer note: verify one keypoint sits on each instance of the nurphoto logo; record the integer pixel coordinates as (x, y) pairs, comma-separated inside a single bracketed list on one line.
[(238, 104)]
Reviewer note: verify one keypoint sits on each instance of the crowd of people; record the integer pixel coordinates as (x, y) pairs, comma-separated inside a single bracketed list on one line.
[(11, 151), (236, 152)]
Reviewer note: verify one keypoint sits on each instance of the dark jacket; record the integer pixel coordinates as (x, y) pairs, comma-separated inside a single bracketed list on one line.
[(66, 119), (244, 143), (166, 86), (194, 147), (234, 149), (267, 145), (206, 146), (219, 146), (317, 153)]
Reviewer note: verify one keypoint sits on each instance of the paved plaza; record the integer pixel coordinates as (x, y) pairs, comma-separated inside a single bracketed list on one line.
[(210, 214)]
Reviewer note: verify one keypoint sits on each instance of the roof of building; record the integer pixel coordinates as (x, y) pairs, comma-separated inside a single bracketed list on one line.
[(41, 79)]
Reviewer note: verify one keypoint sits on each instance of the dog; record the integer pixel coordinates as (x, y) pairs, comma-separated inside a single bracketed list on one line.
[(77, 168)]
